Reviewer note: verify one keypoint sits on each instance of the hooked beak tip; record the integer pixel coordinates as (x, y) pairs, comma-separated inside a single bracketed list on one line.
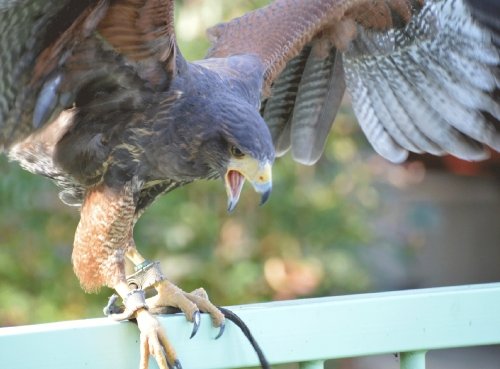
[(265, 196), (231, 205)]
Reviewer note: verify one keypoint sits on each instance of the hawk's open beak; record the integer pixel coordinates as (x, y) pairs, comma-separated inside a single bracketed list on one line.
[(258, 174)]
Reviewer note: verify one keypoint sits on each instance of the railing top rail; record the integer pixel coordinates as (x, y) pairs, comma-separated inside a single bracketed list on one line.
[(288, 331)]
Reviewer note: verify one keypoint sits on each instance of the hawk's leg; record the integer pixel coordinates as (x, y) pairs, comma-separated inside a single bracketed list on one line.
[(102, 238), (154, 342), (169, 295)]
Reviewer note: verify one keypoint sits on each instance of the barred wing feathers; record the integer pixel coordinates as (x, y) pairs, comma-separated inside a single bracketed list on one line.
[(423, 77), (427, 87)]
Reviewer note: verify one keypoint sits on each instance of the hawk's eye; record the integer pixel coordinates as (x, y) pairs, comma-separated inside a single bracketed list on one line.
[(237, 153)]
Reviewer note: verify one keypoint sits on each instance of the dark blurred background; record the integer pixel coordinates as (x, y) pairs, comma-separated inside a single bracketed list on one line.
[(352, 223)]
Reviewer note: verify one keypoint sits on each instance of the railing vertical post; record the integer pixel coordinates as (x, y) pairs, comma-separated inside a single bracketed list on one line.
[(412, 360), (317, 364)]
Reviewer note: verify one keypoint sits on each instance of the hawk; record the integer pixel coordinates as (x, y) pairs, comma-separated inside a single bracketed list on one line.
[(96, 95)]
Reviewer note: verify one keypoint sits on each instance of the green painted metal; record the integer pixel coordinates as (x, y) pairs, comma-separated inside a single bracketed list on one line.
[(412, 360), (317, 364), (289, 331)]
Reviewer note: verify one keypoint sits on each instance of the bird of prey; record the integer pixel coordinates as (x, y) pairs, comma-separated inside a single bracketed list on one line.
[(96, 95)]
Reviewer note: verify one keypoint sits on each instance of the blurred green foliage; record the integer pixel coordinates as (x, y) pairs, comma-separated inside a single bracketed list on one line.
[(304, 242)]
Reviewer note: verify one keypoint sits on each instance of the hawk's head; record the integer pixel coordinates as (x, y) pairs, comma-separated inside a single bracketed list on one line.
[(238, 148)]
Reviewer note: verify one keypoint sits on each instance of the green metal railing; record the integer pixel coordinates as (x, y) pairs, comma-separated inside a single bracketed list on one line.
[(305, 331)]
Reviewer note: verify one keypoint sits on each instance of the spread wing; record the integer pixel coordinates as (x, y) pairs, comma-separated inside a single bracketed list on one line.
[(57, 52), (423, 77)]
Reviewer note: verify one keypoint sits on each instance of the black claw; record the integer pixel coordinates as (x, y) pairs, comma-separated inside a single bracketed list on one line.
[(111, 307), (221, 330), (196, 323), (177, 365)]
